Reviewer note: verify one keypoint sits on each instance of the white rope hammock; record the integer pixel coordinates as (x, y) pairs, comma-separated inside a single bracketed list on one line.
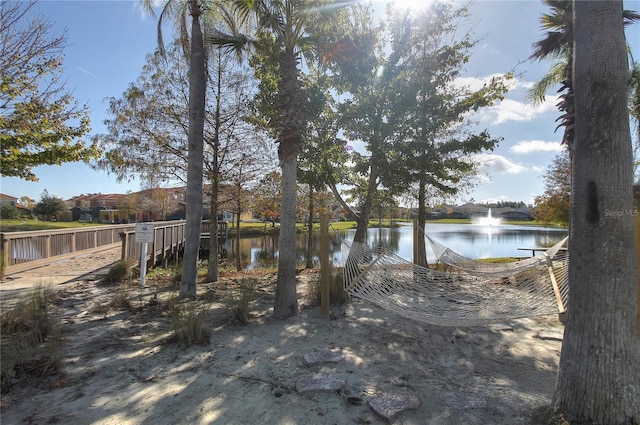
[(453, 299), (451, 258)]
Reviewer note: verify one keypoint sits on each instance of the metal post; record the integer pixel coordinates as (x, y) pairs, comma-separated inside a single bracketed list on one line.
[(143, 263)]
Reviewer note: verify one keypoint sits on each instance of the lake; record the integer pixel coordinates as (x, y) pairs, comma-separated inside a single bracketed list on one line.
[(471, 240)]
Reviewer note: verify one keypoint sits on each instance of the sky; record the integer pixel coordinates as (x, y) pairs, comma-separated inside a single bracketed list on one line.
[(108, 41)]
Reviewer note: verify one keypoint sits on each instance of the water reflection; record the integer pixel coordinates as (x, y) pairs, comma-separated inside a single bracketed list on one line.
[(473, 241)]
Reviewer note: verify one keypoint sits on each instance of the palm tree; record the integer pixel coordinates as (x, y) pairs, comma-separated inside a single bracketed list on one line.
[(292, 24), (183, 11), (599, 372), (557, 44)]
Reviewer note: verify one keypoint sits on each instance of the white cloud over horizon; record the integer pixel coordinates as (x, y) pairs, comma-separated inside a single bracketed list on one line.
[(498, 164), (530, 146), (513, 110)]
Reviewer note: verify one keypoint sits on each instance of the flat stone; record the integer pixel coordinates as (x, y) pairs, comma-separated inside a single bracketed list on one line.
[(463, 401), (551, 334), (498, 327), (324, 356), (317, 382), (388, 405)]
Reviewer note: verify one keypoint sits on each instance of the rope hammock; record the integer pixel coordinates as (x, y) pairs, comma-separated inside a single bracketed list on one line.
[(454, 299), (451, 258)]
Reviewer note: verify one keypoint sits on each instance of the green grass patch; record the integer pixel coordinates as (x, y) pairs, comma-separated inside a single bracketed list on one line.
[(499, 260), (18, 225)]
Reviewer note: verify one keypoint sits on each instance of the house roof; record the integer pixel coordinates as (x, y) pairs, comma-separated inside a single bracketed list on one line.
[(3, 196)]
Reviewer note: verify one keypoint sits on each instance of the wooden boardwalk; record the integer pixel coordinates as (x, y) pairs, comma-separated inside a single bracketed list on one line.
[(27, 250)]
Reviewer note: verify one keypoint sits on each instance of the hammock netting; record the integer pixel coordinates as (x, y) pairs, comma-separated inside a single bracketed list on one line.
[(451, 258), (454, 299)]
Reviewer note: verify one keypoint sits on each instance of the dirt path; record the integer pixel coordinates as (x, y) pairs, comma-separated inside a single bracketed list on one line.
[(120, 369), (58, 275)]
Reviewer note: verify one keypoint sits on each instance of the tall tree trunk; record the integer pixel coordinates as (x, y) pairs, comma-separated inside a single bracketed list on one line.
[(362, 220), (237, 217), (286, 302), (197, 87), (599, 375), (422, 216), (291, 104), (212, 265)]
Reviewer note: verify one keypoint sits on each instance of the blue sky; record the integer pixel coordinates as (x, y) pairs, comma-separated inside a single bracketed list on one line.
[(108, 41)]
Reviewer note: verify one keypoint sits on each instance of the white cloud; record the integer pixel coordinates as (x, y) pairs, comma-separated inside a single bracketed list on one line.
[(513, 110), (498, 164), (530, 146), (507, 109)]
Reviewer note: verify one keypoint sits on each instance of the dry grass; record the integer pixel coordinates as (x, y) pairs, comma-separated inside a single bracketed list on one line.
[(120, 271), (32, 342), (187, 324), (242, 298)]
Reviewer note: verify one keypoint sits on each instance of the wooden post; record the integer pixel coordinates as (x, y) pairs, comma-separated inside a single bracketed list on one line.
[(415, 241), (5, 255), (123, 253), (556, 288), (325, 294)]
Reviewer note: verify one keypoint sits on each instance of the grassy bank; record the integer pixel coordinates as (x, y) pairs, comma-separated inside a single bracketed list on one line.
[(18, 225)]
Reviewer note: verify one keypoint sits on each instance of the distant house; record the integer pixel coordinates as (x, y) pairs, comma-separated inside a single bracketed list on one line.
[(519, 214), (12, 201), (8, 201)]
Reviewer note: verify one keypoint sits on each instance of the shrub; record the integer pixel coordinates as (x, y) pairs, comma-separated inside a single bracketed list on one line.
[(314, 291), (119, 299), (31, 340), (120, 271), (187, 325), (8, 212), (176, 279), (338, 294), (242, 298)]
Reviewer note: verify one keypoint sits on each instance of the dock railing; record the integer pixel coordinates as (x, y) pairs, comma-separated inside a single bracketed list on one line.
[(25, 250)]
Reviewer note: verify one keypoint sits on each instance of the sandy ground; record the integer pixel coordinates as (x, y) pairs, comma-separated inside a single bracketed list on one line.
[(120, 368)]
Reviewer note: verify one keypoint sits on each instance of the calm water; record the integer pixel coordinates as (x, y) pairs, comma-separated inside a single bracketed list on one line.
[(470, 240)]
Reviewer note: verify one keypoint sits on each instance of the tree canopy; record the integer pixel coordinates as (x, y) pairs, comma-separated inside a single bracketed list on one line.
[(40, 123), (402, 99), (49, 206), (553, 205)]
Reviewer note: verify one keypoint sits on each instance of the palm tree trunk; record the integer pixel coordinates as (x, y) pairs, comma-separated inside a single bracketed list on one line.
[(289, 102), (599, 375), (286, 302), (197, 87)]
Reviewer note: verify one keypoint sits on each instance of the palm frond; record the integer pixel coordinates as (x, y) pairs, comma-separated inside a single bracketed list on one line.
[(537, 93)]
